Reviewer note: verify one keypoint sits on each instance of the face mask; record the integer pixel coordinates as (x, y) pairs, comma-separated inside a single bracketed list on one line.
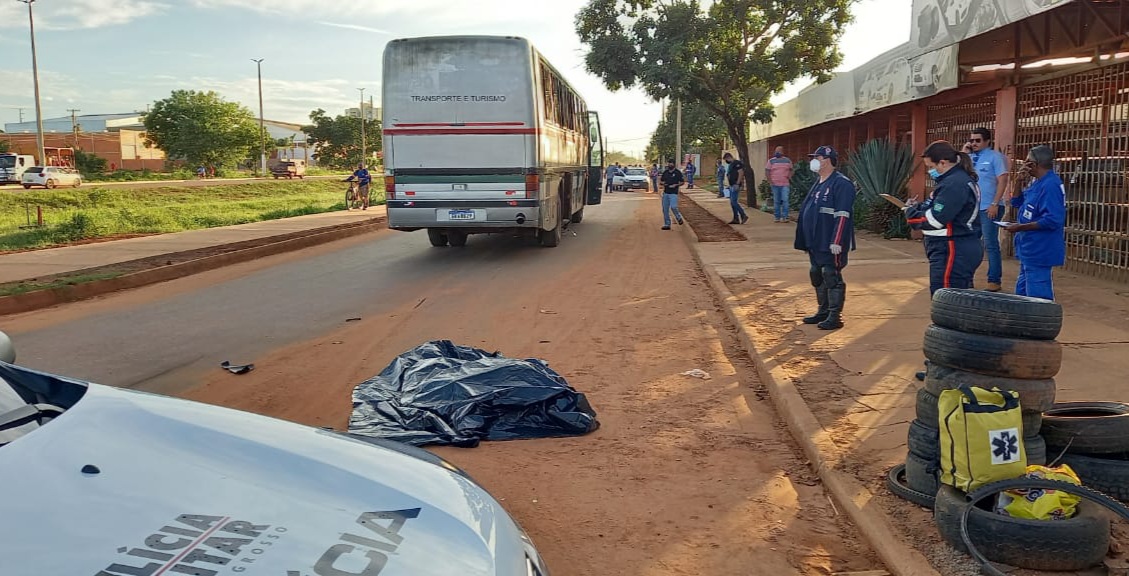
[(778, 154), (815, 165), (934, 174)]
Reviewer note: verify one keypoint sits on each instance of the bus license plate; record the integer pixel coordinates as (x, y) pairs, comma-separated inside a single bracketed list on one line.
[(460, 214)]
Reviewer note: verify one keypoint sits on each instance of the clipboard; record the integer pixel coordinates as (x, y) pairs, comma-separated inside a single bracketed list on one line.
[(894, 200)]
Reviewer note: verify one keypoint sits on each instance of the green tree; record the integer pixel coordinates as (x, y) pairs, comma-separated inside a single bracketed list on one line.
[(89, 164), (338, 140), (730, 58), (702, 130), (624, 159), (202, 128), (5, 145)]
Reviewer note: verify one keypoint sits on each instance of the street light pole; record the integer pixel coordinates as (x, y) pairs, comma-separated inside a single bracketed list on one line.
[(262, 127), (35, 80), (362, 113)]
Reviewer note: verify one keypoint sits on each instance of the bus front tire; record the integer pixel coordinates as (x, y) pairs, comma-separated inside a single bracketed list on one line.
[(456, 238), (437, 237), (551, 238), (578, 216)]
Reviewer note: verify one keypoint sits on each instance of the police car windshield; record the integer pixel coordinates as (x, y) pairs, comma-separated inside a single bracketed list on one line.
[(636, 172)]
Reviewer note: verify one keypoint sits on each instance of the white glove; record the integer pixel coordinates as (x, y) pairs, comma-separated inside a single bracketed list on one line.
[(836, 249)]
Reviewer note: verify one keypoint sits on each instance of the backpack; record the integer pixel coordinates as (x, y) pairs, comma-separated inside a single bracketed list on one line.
[(981, 437)]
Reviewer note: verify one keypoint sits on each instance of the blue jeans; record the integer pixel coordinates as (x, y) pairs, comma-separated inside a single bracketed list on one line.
[(721, 186), (1034, 281), (734, 196), (670, 204), (654, 184), (990, 234), (780, 201), (690, 180)]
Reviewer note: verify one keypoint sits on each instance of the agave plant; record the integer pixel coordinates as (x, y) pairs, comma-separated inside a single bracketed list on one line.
[(881, 167)]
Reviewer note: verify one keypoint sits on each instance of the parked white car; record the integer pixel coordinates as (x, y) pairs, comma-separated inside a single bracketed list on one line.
[(188, 488), (635, 178), (51, 177)]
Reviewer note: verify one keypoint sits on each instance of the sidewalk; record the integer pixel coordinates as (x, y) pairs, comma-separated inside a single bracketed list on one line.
[(858, 381), (38, 263)]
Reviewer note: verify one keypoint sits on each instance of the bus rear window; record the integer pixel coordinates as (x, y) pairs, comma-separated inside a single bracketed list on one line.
[(457, 80)]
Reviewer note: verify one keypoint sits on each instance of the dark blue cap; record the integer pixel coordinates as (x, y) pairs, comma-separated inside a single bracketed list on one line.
[(826, 152)]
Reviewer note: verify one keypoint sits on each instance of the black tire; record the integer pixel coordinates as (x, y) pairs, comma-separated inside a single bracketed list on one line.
[(924, 441), (437, 237), (27, 186), (1060, 545), (991, 355), (926, 410), (997, 314), (1109, 475), (50, 185), (456, 238), (921, 474), (578, 216), (550, 238), (896, 482), (1034, 395), (1032, 422), (1088, 427), (1035, 447)]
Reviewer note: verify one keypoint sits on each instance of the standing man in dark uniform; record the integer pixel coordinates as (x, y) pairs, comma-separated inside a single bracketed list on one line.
[(672, 180), (826, 232)]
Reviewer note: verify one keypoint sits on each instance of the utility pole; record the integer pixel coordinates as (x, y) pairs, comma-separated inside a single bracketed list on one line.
[(35, 81), (74, 123), (371, 110), (262, 127), (678, 133), (362, 113), (21, 115)]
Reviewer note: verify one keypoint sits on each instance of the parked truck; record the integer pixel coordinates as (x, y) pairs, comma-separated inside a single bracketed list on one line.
[(13, 166)]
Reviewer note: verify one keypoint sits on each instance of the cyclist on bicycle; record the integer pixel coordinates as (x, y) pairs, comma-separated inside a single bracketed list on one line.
[(363, 180)]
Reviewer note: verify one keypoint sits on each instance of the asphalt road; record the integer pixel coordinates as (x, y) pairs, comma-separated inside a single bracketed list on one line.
[(165, 338), (181, 183)]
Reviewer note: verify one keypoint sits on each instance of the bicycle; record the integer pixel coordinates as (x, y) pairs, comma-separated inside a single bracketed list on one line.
[(352, 195)]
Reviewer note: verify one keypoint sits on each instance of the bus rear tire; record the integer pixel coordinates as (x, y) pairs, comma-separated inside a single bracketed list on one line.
[(578, 216), (457, 238), (437, 237), (551, 238)]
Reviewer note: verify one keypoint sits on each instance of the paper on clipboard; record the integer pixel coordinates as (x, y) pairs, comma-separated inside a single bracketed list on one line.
[(1002, 224), (894, 200)]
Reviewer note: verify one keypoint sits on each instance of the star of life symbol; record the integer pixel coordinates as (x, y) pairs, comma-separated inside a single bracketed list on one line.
[(1004, 445)]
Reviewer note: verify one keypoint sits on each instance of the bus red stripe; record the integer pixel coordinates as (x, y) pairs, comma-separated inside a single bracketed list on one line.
[(458, 131), (458, 124)]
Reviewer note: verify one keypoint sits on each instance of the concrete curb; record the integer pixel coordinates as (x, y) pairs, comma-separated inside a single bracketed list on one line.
[(849, 494), (40, 299)]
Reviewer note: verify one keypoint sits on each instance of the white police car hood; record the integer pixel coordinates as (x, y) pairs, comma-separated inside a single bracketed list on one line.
[(132, 484)]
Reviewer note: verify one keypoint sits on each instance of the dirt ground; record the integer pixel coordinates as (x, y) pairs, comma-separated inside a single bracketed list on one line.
[(686, 476)]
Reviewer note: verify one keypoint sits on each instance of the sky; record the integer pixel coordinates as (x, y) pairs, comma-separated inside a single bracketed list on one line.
[(110, 56)]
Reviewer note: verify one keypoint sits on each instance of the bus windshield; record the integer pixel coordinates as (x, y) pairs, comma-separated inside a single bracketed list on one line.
[(7, 161)]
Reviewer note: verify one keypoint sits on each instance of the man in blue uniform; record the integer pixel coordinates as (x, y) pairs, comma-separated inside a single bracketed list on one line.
[(1040, 239), (826, 232)]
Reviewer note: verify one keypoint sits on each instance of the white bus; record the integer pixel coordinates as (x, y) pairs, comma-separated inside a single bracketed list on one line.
[(483, 135)]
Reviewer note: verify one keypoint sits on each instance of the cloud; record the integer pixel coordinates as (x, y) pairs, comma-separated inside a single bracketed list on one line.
[(364, 12), (354, 27), (77, 14)]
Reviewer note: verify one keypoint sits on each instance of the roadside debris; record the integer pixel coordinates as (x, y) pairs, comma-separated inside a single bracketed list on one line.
[(697, 373), (237, 368), (442, 393), (356, 319)]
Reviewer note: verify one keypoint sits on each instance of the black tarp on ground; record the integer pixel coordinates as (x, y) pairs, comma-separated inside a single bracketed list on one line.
[(442, 393)]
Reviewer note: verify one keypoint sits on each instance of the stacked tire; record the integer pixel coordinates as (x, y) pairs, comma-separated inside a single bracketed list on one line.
[(986, 340), (994, 340), (1093, 439)]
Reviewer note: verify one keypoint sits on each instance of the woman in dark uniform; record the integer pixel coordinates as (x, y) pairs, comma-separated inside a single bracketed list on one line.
[(949, 218)]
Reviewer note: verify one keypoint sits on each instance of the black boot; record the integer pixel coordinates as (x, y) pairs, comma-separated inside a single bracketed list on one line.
[(835, 299), (821, 315)]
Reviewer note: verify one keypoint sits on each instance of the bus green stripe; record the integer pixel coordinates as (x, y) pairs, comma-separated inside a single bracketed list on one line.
[(468, 179)]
